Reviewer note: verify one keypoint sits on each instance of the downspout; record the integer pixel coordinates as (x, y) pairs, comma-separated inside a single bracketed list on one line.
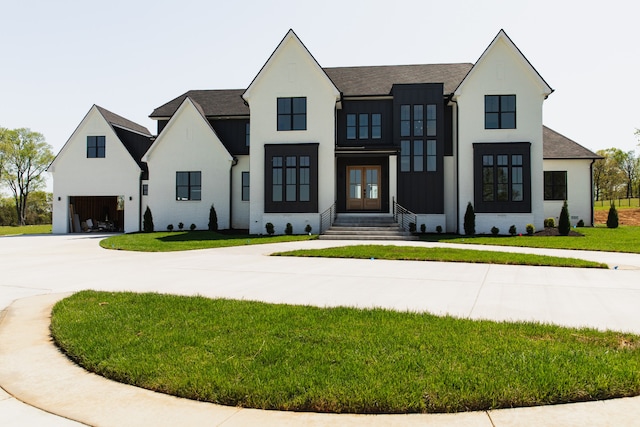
[(457, 175), (234, 162), (591, 186), (140, 203)]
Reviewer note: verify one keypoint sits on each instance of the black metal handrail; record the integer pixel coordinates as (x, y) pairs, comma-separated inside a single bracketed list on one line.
[(403, 216), (327, 217)]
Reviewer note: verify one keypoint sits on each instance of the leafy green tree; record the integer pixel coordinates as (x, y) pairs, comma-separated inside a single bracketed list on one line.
[(608, 178), (24, 157)]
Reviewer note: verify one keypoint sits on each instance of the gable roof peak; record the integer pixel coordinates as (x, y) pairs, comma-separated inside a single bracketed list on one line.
[(115, 120)]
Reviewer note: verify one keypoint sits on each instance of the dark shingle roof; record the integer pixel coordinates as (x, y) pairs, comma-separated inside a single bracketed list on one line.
[(351, 81), (558, 146), (227, 102), (120, 121), (378, 80)]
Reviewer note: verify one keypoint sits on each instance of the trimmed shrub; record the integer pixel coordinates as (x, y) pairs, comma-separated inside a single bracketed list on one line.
[(270, 229), (530, 229), (147, 221), (512, 230), (549, 223), (180, 225), (612, 218), (423, 228), (495, 230), (580, 223), (170, 227), (412, 227), (192, 227), (213, 219), (469, 221), (307, 228), (439, 229), (288, 229), (564, 224)]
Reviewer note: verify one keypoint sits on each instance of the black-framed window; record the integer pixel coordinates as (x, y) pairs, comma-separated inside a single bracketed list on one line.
[(364, 126), (418, 155), (499, 111), (405, 120), (351, 126), (555, 185), (291, 178), (405, 156), (245, 186), (502, 177), (418, 120), (145, 189), (247, 135), (432, 155), (376, 126), (188, 185), (95, 147), (292, 113), (432, 120)]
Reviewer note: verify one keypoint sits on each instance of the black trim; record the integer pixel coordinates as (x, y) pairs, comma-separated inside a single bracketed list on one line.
[(291, 150)]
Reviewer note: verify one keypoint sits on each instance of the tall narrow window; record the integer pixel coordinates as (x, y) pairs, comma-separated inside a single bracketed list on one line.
[(95, 146), (277, 181), (418, 120), (431, 156), (363, 126), (405, 120), (247, 134), (500, 112), (290, 177), (418, 156), (431, 120), (245, 186), (305, 178), (517, 179), (376, 126), (487, 178), (351, 126), (188, 186), (405, 156), (292, 113)]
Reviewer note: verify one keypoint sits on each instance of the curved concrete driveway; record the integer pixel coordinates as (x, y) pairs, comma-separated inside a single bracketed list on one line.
[(41, 265)]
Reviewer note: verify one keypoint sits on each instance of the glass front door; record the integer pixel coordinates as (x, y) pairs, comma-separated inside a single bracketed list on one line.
[(363, 188)]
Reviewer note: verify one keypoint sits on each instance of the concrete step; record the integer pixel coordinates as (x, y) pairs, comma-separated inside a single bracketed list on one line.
[(365, 237)]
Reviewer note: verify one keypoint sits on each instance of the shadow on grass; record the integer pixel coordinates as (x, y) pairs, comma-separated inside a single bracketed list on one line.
[(200, 236)]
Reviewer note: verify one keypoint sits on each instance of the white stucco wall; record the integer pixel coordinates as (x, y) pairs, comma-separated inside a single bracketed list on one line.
[(578, 190), (240, 211), (500, 72), (117, 174), (188, 144), (291, 72)]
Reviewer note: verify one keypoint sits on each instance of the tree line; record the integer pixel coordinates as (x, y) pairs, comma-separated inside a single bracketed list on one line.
[(24, 157), (617, 174)]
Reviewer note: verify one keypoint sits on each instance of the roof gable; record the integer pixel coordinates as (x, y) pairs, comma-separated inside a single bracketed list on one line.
[(214, 103), (503, 38), (290, 40)]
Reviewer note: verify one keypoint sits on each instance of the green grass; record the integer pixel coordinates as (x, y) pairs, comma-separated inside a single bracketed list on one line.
[(26, 229), (621, 239), (189, 240), (603, 205), (275, 356), (413, 253)]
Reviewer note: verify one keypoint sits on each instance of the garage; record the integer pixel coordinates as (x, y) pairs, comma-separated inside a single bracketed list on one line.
[(96, 213)]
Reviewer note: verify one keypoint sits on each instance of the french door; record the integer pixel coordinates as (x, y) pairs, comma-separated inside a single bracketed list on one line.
[(363, 188)]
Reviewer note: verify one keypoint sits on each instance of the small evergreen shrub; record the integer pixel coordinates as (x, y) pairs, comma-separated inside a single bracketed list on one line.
[(213, 219), (439, 229), (180, 225), (495, 230), (612, 218), (423, 228), (412, 227), (530, 229), (170, 227), (549, 223), (512, 230), (192, 227), (580, 223), (307, 229), (147, 221), (469, 221), (288, 229), (564, 224), (270, 229)]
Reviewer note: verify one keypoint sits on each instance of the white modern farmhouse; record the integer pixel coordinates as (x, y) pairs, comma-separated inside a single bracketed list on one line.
[(304, 143)]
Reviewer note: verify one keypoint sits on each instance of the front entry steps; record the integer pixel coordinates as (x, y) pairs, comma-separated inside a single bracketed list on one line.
[(366, 227)]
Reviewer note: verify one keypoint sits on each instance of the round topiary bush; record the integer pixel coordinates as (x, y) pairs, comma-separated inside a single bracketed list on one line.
[(495, 230)]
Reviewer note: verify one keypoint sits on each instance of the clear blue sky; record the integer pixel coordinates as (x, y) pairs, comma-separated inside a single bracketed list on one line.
[(61, 57)]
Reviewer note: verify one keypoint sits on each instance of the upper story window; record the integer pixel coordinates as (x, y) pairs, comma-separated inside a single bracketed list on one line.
[(95, 146), (555, 185), (413, 119), (292, 113), (364, 126), (188, 185), (245, 186), (247, 134), (499, 111)]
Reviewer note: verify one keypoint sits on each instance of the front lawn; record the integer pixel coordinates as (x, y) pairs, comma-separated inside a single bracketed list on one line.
[(276, 356), (621, 239), (6, 230), (414, 253), (189, 240)]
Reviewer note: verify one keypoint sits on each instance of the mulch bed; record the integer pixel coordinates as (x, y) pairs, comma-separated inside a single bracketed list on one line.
[(549, 231)]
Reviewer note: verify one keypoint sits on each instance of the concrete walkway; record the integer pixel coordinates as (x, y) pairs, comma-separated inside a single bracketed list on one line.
[(38, 270)]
